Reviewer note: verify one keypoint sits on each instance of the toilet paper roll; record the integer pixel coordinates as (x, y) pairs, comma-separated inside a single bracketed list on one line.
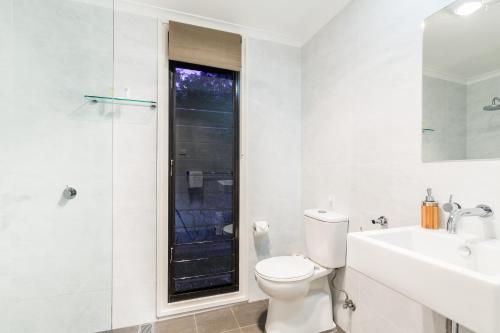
[(260, 228)]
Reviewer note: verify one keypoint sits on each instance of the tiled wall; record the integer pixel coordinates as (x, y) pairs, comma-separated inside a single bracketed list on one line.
[(444, 111), (55, 265), (121, 154), (483, 128), (273, 140), (134, 171), (271, 144), (461, 128), (362, 117)]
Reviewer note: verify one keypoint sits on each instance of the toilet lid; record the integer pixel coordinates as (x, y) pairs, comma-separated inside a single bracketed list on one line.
[(289, 268)]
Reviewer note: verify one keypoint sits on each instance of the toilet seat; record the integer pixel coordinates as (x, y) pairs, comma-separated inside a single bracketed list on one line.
[(285, 269)]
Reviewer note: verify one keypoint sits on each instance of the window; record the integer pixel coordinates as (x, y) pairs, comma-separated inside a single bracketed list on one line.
[(204, 181)]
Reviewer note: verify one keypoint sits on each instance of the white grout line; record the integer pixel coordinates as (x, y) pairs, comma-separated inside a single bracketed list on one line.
[(253, 325), (232, 330), (195, 323), (234, 316), (249, 326)]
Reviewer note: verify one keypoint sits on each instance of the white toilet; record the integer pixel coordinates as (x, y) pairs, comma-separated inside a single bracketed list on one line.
[(300, 299)]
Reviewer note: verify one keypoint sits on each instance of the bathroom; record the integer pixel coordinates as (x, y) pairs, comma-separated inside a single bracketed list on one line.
[(330, 121)]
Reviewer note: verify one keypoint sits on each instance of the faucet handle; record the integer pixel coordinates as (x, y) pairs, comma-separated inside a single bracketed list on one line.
[(451, 206), (384, 223)]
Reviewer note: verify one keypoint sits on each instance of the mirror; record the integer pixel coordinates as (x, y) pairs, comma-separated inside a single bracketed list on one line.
[(461, 82)]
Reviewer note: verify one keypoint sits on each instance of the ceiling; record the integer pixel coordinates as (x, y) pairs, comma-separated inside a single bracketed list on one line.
[(296, 21), (463, 47)]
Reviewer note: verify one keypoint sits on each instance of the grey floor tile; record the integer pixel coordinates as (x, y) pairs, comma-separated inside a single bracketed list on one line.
[(252, 329), (216, 321), (177, 325), (336, 330), (133, 329), (241, 318), (251, 313)]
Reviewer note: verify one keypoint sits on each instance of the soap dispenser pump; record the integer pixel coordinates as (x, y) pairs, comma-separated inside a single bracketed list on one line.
[(430, 212)]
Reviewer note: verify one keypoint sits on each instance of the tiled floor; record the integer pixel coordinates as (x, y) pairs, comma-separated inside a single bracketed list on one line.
[(240, 318)]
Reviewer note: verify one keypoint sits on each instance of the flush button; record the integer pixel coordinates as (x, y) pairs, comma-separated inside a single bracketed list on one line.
[(322, 211)]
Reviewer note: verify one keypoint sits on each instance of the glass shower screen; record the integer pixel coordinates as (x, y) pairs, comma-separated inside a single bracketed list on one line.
[(55, 247)]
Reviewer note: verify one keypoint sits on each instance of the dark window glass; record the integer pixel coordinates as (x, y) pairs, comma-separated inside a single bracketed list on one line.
[(203, 220)]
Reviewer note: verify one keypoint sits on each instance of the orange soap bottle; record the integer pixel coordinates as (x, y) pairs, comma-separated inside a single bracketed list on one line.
[(429, 215)]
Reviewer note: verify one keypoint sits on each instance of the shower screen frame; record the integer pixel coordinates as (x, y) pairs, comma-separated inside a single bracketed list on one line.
[(235, 285)]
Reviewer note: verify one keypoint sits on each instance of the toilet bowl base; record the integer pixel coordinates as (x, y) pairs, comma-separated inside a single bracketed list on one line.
[(311, 314)]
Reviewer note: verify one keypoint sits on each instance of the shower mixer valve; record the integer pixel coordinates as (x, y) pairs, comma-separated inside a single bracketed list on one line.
[(384, 223), (69, 193)]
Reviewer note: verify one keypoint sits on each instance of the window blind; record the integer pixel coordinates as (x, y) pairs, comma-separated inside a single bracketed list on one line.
[(203, 46)]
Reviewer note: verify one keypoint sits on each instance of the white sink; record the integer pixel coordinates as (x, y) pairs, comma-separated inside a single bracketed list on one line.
[(457, 276)]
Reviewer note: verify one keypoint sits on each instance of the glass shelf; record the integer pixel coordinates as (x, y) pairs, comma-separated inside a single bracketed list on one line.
[(123, 101)]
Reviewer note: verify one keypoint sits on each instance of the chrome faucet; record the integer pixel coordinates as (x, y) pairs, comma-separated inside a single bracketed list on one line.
[(384, 223), (457, 212)]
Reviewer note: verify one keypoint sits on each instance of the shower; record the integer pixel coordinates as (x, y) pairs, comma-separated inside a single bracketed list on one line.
[(494, 106)]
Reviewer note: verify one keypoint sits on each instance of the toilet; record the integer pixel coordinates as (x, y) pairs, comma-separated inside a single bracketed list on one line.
[(299, 295)]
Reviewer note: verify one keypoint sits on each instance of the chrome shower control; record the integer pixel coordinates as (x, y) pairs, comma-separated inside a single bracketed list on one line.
[(69, 193), (384, 223)]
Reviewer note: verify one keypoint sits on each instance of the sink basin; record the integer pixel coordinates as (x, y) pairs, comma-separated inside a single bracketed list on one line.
[(457, 276)]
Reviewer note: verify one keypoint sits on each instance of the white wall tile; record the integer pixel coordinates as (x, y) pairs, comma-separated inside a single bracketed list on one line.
[(273, 140), (134, 171), (445, 111), (483, 127), (56, 255), (379, 169)]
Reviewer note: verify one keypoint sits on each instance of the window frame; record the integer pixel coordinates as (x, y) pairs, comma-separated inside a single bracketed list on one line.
[(235, 287)]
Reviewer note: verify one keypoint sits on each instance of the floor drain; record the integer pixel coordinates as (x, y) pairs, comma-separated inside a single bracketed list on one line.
[(146, 328)]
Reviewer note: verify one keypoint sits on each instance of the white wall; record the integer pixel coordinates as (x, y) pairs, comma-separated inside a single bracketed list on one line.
[(273, 141), (444, 110), (361, 109), (55, 255), (134, 171), (272, 148)]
